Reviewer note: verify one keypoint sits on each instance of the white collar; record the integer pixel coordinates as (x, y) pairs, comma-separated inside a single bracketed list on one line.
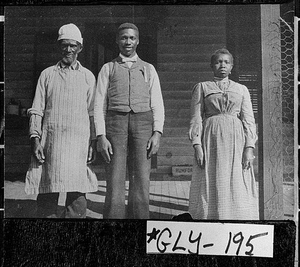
[(126, 59)]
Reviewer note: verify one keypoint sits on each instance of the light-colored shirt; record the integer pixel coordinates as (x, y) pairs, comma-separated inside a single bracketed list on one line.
[(100, 108), (129, 60)]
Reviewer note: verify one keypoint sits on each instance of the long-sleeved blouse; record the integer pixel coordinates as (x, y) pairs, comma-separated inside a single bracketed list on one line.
[(209, 100)]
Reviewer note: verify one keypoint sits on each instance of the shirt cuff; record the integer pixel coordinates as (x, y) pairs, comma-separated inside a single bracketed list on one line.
[(158, 127), (249, 143), (196, 141)]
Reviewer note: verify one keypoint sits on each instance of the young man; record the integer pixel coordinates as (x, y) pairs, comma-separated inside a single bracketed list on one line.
[(129, 118), (62, 132)]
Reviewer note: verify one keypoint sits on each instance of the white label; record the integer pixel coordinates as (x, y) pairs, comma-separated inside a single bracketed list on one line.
[(226, 239)]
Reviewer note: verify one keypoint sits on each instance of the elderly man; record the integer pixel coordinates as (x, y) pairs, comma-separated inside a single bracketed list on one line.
[(129, 118), (62, 132)]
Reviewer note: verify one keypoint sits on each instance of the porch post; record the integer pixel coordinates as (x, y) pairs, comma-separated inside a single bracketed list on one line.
[(271, 193)]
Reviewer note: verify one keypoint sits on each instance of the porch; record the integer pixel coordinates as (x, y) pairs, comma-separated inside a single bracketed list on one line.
[(168, 198), (178, 42)]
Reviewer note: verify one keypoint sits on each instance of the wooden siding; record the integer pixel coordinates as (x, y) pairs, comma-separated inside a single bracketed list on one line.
[(186, 37), (184, 48)]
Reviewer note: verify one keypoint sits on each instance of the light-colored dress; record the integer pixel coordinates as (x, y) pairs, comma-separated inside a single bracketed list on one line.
[(223, 190), (60, 116)]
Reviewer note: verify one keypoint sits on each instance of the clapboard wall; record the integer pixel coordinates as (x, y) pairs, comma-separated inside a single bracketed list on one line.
[(185, 44), (185, 38)]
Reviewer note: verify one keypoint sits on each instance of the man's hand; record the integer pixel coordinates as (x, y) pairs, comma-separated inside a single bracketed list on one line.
[(199, 155), (92, 155), (37, 150), (248, 157), (153, 144), (104, 147)]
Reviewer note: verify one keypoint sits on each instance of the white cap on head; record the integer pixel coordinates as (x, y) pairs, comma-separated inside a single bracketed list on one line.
[(70, 31)]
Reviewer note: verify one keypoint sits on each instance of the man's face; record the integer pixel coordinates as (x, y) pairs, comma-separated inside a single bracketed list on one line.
[(127, 40), (69, 50), (222, 66)]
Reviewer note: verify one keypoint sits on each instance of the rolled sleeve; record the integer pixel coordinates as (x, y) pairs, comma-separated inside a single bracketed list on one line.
[(35, 126)]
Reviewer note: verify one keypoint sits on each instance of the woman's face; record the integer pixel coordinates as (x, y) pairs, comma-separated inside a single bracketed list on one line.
[(222, 66)]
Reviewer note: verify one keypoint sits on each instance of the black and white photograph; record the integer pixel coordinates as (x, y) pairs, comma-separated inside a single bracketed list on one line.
[(132, 112)]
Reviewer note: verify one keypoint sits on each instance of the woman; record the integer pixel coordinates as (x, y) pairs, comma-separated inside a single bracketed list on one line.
[(223, 134)]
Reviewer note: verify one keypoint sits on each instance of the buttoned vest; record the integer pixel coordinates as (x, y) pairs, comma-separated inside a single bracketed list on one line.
[(129, 88)]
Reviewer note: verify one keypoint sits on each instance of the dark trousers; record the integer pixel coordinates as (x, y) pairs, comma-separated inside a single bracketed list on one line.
[(128, 134), (75, 206)]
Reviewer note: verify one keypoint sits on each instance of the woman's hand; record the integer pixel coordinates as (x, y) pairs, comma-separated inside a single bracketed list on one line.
[(248, 157), (199, 155)]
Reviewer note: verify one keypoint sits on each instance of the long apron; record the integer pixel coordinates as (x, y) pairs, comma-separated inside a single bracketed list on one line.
[(65, 137)]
